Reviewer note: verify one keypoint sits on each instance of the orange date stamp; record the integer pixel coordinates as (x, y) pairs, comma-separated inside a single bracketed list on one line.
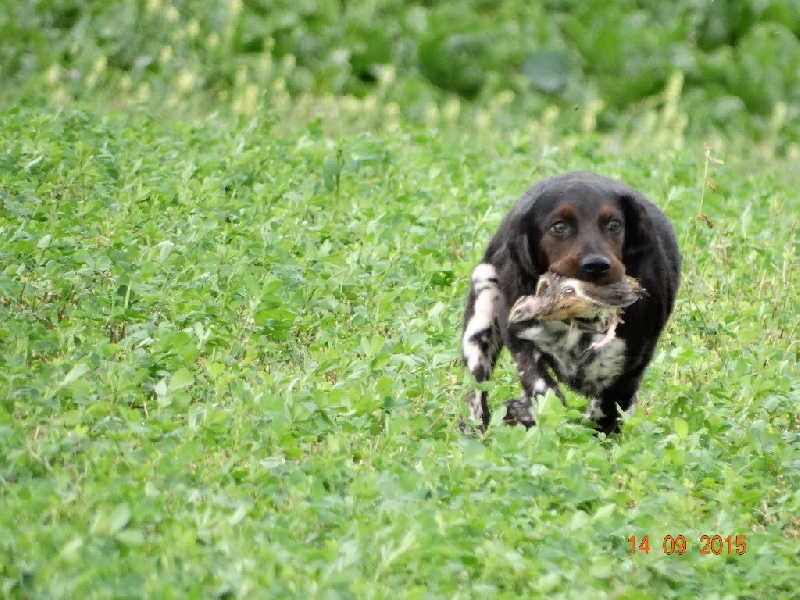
[(707, 545)]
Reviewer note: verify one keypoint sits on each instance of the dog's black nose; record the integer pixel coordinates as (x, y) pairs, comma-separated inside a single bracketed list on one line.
[(595, 266)]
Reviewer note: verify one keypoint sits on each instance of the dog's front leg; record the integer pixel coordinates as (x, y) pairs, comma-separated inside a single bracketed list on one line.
[(482, 339), (535, 380), (604, 410)]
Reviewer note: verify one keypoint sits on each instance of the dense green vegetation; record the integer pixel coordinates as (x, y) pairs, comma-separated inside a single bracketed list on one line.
[(233, 259), (740, 58)]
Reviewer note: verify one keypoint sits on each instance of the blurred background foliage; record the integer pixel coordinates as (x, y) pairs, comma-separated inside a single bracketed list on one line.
[(739, 59)]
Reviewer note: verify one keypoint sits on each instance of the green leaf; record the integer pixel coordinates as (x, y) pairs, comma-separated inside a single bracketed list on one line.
[(681, 428), (131, 537), (113, 521), (181, 379), (330, 172), (547, 70), (44, 241), (75, 373), (452, 61), (119, 518), (165, 249), (161, 393)]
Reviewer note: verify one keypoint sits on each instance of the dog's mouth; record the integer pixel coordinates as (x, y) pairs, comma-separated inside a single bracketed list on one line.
[(613, 277)]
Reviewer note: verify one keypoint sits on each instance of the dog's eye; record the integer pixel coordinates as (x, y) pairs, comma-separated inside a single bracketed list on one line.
[(559, 229), (614, 226)]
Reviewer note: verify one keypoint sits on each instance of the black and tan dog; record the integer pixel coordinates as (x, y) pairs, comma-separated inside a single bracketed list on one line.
[(585, 227)]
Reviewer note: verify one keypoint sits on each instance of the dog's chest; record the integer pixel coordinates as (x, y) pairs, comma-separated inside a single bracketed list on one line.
[(569, 351)]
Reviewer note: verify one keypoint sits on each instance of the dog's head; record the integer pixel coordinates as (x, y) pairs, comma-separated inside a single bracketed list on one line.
[(580, 226)]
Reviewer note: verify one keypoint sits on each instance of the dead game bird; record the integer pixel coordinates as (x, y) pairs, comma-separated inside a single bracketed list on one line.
[(586, 305)]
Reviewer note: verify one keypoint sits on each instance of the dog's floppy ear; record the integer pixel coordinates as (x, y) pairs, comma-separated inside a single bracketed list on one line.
[(520, 249), (523, 246), (638, 228)]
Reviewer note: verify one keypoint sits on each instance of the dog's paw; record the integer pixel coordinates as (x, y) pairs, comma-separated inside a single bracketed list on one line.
[(519, 411), (473, 430)]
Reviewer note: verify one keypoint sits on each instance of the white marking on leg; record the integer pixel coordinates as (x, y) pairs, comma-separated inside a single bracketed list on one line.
[(593, 410), (540, 387), (484, 273), (487, 304), (476, 406)]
